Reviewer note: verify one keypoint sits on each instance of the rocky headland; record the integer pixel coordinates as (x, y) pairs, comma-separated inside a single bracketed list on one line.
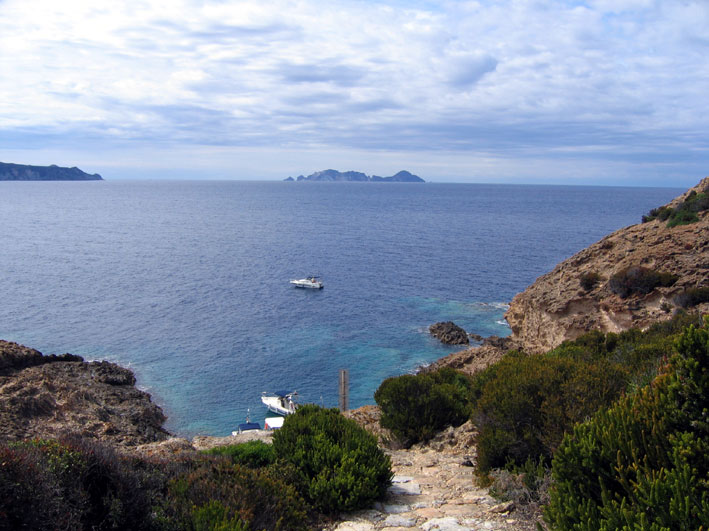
[(579, 294), (45, 396), (24, 172)]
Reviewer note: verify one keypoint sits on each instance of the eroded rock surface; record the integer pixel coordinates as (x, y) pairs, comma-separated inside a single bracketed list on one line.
[(43, 396), (449, 333), (557, 307)]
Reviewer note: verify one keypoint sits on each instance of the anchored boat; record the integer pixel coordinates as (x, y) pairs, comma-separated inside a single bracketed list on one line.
[(308, 282), (281, 402)]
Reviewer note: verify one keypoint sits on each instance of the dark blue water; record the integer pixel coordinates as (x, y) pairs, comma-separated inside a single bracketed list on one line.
[(187, 282)]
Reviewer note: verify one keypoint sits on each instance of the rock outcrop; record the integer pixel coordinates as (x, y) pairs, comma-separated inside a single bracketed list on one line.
[(577, 297), (449, 333), (24, 172), (43, 396)]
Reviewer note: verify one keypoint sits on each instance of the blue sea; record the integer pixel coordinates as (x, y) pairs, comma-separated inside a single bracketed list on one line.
[(187, 283)]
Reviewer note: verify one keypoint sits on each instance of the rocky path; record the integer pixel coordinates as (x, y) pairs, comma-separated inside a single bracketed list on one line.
[(433, 489)]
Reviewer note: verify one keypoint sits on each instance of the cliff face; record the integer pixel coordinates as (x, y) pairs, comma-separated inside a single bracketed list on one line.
[(23, 172), (557, 307), (41, 396)]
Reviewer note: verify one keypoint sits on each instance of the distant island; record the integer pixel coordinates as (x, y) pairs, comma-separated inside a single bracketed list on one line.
[(356, 176), (24, 172)]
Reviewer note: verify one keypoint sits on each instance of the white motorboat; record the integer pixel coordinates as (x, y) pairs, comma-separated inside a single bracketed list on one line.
[(309, 282), (281, 403)]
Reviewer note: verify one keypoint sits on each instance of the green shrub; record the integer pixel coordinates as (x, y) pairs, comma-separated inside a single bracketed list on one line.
[(525, 405), (639, 280), (416, 407), (86, 485), (643, 463), (338, 462), (692, 296), (213, 516), (252, 454), (684, 213), (228, 496), (589, 280)]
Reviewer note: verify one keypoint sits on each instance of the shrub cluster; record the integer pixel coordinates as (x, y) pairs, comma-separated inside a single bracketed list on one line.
[(216, 494), (525, 404), (416, 407), (338, 463), (684, 214), (692, 296), (639, 280), (71, 483), (643, 463)]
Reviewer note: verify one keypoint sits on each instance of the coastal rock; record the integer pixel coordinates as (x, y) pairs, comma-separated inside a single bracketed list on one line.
[(449, 333), (44, 396), (24, 172), (564, 304)]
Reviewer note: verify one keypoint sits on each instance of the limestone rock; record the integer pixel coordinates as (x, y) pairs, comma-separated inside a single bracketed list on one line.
[(449, 333), (557, 307), (44, 396)]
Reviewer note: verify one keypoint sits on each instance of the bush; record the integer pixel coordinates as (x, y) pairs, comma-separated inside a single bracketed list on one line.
[(216, 494), (684, 213), (644, 463), (416, 407), (589, 280), (692, 296), (525, 405), (84, 486), (252, 454), (639, 280), (338, 462)]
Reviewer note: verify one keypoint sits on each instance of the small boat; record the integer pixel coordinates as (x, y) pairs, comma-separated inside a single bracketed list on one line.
[(281, 402), (308, 282), (246, 426), (273, 423)]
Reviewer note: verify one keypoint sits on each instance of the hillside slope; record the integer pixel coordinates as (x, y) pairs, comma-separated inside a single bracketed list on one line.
[(557, 306)]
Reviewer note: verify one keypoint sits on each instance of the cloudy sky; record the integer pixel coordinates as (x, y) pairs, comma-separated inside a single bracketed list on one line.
[(587, 92)]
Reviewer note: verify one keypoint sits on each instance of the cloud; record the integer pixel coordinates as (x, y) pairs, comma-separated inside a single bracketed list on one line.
[(608, 81)]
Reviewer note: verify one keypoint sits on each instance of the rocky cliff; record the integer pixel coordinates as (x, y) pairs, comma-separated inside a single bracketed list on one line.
[(23, 172), (42, 396), (586, 293)]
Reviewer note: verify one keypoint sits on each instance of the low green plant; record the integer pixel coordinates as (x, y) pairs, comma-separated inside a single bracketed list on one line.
[(639, 280), (684, 213), (643, 463), (339, 464), (692, 296), (252, 454), (416, 407)]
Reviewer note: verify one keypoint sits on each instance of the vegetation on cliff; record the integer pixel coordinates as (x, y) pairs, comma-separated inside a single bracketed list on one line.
[(684, 213)]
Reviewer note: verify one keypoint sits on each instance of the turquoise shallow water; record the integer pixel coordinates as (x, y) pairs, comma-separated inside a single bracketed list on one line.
[(187, 282)]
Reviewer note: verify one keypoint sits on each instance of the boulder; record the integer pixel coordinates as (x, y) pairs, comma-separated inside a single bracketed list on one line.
[(449, 333)]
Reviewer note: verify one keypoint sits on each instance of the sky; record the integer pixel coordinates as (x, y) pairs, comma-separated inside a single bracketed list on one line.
[(608, 92)]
